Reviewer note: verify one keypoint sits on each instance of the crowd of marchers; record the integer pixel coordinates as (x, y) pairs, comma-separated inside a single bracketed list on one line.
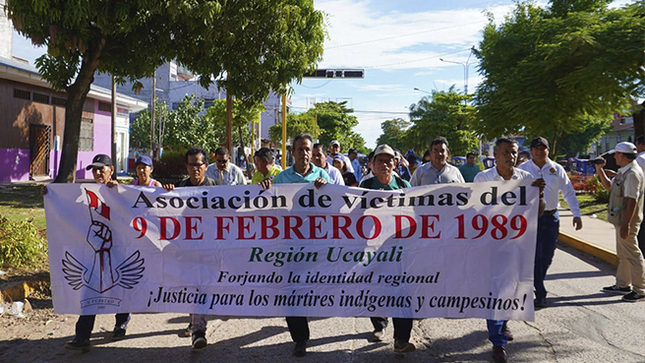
[(387, 169)]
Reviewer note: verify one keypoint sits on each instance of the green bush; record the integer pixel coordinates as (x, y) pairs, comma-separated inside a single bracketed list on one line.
[(600, 193), (20, 243)]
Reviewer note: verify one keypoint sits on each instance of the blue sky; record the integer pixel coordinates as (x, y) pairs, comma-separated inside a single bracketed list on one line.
[(398, 43)]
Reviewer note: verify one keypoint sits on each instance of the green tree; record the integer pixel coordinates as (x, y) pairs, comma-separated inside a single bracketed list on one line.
[(300, 123), (579, 142), (243, 116), (334, 122), (444, 114), (547, 70), (394, 133), (252, 46)]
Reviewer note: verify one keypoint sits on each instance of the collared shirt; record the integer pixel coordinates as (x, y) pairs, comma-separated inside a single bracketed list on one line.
[(557, 181), (358, 171), (290, 175), (348, 163), (426, 174), (628, 183), (493, 175), (335, 175), (640, 160), (232, 175), (469, 171), (259, 178)]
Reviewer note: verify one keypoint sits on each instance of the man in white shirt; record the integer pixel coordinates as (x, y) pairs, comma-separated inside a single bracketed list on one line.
[(223, 171), (437, 171), (319, 158), (505, 156), (557, 181)]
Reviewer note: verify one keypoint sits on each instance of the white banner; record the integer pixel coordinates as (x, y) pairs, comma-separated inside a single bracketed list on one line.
[(458, 250)]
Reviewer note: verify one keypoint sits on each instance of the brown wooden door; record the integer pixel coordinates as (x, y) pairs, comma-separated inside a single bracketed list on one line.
[(39, 136)]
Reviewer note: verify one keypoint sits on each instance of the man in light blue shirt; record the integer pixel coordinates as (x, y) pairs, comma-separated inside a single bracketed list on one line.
[(358, 170), (223, 171), (302, 171)]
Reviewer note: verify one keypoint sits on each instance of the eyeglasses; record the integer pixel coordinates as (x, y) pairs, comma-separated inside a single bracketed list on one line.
[(221, 161), (196, 165)]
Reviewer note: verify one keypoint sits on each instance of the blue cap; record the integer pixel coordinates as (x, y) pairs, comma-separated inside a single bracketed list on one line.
[(143, 159)]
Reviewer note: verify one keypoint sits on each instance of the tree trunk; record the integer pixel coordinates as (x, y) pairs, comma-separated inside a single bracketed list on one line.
[(76, 95), (639, 119)]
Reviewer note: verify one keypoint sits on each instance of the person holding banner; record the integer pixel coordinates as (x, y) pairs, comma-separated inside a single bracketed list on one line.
[(384, 179), (102, 170), (197, 166), (302, 171), (557, 181), (505, 154), (626, 214), (437, 171), (143, 166), (265, 167)]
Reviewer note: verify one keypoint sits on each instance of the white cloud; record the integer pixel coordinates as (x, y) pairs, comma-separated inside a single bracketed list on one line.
[(362, 37)]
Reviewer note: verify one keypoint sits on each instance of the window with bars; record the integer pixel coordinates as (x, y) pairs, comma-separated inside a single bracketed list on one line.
[(22, 94), (58, 101), (104, 106), (41, 98), (86, 139)]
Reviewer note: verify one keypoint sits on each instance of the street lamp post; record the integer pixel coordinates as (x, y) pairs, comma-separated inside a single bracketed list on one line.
[(465, 65), (420, 90)]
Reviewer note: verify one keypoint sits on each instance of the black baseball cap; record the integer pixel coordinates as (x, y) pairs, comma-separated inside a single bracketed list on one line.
[(100, 160), (539, 141)]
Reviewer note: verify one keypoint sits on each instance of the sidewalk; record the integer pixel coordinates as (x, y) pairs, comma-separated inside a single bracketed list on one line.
[(596, 237)]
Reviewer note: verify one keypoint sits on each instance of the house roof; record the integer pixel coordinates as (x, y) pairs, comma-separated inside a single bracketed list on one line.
[(25, 73)]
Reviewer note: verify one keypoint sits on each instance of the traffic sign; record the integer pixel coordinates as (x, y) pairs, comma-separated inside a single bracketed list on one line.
[(335, 73)]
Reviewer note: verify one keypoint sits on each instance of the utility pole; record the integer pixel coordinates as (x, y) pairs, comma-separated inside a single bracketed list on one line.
[(283, 160), (152, 117), (113, 126)]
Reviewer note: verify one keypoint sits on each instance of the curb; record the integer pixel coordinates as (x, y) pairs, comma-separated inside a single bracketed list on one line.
[(590, 248)]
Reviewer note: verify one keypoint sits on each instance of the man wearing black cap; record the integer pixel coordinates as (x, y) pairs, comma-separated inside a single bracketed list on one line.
[(626, 214), (102, 169), (557, 181)]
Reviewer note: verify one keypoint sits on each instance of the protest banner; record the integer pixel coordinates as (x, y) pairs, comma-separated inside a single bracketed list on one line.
[(457, 250)]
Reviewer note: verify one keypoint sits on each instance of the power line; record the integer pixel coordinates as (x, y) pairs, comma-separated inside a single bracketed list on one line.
[(363, 111), (418, 60)]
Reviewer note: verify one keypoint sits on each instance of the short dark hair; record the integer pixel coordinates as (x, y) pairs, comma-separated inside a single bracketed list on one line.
[(321, 146), (196, 151), (439, 140), (222, 151), (300, 137), (640, 140), (352, 150), (370, 156), (505, 139), (468, 155), (631, 156), (266, 154)]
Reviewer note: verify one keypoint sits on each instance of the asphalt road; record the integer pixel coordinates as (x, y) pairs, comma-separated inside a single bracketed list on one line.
[(581, 324)]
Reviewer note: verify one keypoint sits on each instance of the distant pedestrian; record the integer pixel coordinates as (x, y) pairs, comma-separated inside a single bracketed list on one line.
[(626, 214), (469, 169), (437, 170), (334, 149), (356, 165), (265, 167), (319, 158), (224, 171)]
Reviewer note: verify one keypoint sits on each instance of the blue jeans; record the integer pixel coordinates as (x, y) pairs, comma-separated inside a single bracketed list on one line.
[(495, 334), (547, 237)]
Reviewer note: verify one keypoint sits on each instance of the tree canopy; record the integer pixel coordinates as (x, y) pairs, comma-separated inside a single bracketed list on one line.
[(549, 70), (251, 46), (394, 133), (334, 122)]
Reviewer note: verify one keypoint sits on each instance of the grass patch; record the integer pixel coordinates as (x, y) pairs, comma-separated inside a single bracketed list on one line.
[(23, 203), (589, 206)]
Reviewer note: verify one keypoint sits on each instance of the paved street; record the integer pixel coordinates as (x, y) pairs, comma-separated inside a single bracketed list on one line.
[(581, 325)]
